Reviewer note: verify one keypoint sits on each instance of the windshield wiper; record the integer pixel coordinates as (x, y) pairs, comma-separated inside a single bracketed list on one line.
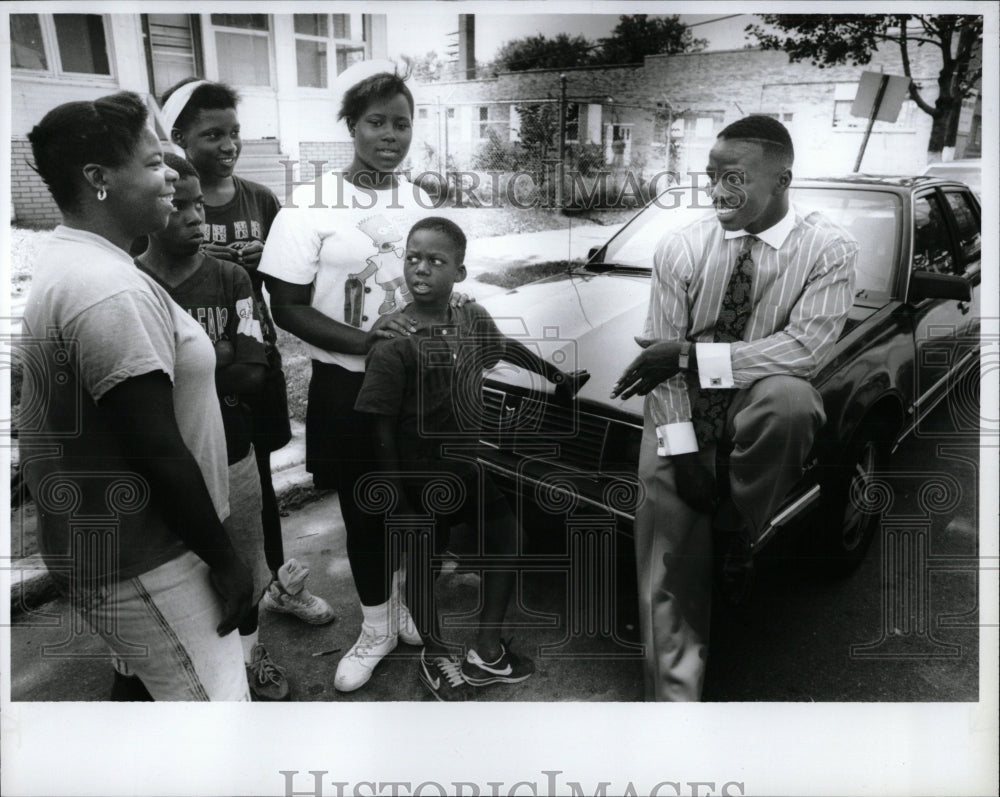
[(601, 268)]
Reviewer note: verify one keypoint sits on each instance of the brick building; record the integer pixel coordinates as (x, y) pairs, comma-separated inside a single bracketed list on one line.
[(681, 102), (283, 65)]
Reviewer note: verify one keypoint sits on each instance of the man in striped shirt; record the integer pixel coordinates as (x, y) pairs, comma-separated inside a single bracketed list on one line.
[(792, 276)]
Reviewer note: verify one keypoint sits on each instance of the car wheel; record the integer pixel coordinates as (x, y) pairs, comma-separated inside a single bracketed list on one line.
[(857, 497)]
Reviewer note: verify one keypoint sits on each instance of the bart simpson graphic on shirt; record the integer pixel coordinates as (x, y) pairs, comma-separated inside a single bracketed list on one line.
[(386, 265)]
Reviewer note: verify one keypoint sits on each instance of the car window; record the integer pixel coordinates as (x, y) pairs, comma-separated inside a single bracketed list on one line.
[(671, 210), (931, 240), (967, 222), (873, 220), (871, 217)]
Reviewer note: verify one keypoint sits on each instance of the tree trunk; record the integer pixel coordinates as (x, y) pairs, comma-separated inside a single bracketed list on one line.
[(939, 128)]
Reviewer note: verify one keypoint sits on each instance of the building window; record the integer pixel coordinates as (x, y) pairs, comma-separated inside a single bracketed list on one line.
[(319, 35), (60, 44), (572, 123), (243, 49), (451, 113), (421, 113)]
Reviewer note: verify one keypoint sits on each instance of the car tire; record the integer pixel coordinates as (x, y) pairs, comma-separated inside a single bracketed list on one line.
[(854, 499)]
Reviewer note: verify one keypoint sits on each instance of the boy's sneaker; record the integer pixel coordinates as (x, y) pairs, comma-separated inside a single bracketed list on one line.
[(288, 594), (355, 668), (442, 675), (508, 669), (266, 679)]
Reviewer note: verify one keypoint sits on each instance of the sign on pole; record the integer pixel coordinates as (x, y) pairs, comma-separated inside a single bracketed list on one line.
[(879, 98)]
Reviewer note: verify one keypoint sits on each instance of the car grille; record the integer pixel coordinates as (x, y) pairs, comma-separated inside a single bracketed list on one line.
[(535, 426)]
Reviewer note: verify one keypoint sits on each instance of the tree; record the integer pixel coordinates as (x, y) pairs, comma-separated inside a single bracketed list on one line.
[(829, 39), (638, 35), (427, 68), (540, 52)]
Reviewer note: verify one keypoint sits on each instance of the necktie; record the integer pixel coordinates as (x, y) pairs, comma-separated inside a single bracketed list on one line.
[(711, 405)]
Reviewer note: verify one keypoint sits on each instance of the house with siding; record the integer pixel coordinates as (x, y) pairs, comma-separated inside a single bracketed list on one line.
[(283, 65)]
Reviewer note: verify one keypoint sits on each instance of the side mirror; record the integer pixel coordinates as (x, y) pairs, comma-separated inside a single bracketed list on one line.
[(593, 251), (931, 285)]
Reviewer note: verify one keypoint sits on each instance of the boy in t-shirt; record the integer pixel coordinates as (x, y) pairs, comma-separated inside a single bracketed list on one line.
[(219, 296), (203, 122), (426, 392)]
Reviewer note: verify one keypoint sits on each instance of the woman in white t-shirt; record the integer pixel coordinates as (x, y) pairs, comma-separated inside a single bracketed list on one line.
[(333, 264), (120, 421)]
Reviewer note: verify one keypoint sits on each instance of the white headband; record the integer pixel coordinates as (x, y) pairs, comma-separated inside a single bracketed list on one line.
[(174, 106)]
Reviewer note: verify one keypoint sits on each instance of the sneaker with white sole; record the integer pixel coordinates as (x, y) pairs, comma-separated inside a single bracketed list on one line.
[(287, 594), (508, 669), (355, 668), (266, 679), (442, 675)]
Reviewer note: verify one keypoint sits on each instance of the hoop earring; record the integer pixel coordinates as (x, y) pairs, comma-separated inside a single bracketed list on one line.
[(102, 194)]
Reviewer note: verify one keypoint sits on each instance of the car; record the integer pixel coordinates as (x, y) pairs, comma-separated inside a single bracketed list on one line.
[(968, 170), (911, 336)]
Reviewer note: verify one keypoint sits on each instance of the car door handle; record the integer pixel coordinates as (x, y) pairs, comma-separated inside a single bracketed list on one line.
[(963, 308)]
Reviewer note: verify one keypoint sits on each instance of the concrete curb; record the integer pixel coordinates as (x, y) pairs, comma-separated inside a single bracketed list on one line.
[(31, 586)]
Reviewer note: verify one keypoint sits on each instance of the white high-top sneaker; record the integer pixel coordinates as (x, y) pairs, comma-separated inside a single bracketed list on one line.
[(377, 640)]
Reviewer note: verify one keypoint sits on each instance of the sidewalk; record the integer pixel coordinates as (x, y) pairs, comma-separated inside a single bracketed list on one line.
[(30, 585)]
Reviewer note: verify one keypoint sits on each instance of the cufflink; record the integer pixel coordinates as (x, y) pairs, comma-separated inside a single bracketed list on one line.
[(715, 381)]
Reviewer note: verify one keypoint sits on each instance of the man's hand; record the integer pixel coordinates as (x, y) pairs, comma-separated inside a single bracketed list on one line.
[(656, 364), (233, 582), (569, 384), (695, 483)]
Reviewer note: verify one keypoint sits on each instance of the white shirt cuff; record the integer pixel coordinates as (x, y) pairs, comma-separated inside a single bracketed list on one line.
[(715, 365), (675, 438)]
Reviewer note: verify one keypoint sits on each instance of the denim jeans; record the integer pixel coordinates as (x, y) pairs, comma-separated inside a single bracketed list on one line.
[(160, 626)]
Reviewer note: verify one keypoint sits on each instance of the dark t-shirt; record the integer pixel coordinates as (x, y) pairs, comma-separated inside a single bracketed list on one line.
[(244, 218), (220, 298), (432, 382)]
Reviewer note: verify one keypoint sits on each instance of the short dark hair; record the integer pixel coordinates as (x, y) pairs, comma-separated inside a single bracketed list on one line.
[(105, 131), (446, 227), (209, 96), (767, 131), (182, 166), (381, 86)]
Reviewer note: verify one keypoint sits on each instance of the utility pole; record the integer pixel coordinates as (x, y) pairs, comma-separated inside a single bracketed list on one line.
[(562, 140)]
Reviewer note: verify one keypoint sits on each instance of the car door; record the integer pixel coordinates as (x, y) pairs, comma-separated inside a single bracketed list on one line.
[(945, 331)]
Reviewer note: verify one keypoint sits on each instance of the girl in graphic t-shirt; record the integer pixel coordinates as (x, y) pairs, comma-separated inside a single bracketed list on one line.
[(330, 272)]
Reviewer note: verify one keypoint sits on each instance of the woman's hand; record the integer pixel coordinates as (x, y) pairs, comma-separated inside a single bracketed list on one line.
[(390, 326), (232, 580), (248, 255), (220, 252), (458, 299)]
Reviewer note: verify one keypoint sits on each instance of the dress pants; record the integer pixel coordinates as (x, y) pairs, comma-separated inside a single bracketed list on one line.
[(772, 425)]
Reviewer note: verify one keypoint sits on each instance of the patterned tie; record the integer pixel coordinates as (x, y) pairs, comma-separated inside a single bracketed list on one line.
[(711, 405)]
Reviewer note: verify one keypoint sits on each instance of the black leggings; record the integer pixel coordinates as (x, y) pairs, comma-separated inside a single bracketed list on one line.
[(270, 517), (340, 450)]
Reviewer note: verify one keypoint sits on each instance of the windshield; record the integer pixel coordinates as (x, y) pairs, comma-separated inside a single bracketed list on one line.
[(872, 217)]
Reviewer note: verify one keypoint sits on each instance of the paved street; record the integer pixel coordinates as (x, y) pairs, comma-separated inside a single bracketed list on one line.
[(907, 634)]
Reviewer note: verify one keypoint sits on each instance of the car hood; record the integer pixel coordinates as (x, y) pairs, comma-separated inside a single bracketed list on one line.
[(577, 320), (584, 320)]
